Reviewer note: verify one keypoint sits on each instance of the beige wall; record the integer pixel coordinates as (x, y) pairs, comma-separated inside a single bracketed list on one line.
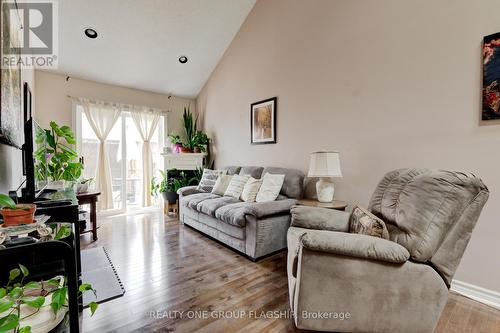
[(389, 84), (52, 102)]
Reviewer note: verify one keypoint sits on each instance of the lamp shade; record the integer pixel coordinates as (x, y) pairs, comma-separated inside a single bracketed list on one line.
[(325, 164)]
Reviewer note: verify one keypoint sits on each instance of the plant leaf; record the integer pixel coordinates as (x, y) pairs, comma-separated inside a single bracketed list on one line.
[(50, 139), (53, 282), (16, 292), (87, 287), (58, 299), (8, 323), (63, 232), (13, 274), (32, 285), (6, 201), (5, 304), (25, 329), (36, 302), (3, 292), (93, 307), (24, 270)]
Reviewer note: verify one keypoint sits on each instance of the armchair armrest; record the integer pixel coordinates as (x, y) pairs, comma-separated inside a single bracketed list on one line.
[(355, 245), (187, 190), (320, 218)]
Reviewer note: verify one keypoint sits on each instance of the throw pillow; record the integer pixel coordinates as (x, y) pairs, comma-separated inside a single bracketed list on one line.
[(270, 188), (208, 179), (365, 223), (221, 184), (251, 189), (236, 186)]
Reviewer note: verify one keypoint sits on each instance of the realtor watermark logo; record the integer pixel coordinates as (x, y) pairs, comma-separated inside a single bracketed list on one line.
[(29, 34)]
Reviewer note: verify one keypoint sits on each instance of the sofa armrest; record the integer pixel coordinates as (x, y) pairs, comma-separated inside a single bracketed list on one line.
[(187, 190), (320, 218), (355, 245)]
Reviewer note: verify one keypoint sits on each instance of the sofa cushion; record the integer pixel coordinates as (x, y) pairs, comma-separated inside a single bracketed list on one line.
[(232, 170), (221, 184), (254, 171), (270, 188), (193, 200), (209, 206), (251, 189), (235, 214), (294, 181), (236, 186), (208, 179), (365, 223)]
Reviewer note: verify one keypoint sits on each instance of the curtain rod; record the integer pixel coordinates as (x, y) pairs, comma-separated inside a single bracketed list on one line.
[(131, 106)]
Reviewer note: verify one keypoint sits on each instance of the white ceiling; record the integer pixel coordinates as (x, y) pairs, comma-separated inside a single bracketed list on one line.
[(140, 41)]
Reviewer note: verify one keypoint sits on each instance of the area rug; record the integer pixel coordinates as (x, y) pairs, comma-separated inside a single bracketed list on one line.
[(98, 270)]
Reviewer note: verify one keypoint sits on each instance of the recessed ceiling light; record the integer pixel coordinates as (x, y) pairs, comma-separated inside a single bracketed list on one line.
[(90, 33), (183, 59)]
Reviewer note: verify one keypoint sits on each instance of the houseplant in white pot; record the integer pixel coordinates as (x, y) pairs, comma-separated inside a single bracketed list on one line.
[(35, 306)]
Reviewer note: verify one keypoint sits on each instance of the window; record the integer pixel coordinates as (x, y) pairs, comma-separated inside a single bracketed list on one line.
[(124, 149)]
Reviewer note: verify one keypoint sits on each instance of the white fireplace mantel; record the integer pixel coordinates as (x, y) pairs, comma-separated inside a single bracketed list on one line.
[(183, 161)]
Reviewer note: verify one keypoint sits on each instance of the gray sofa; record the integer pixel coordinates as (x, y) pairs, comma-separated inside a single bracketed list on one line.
[(255, 229), (396, 285)]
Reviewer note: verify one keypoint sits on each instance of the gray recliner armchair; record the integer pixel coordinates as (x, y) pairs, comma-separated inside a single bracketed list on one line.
[(346, 282)]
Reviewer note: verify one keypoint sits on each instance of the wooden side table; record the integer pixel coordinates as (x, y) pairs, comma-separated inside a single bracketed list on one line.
[(335, 204), (168, 206), (90, 198)]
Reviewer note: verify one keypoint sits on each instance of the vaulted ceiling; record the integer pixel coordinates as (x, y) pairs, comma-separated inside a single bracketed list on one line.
[(139, 42)]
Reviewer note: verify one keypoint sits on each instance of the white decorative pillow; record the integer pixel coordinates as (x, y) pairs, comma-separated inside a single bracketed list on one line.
[(270, 188), (221, 184), (236, 186), (208, 179), (251, 189)]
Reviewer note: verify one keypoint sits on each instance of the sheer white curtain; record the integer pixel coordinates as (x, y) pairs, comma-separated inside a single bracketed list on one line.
[(102, 117), (146, 120)]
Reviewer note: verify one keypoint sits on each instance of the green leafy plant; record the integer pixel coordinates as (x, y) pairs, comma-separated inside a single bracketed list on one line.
[(175, 139), (201, 140), (7, 202), (174, 184), (33, 294), (190, 128), (161, 186), (55, 157)]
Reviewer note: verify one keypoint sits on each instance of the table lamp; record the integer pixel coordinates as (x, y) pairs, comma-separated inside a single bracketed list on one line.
[(325, 165)]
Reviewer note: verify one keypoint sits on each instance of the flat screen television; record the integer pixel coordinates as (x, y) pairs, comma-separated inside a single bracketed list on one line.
[(34, 161)]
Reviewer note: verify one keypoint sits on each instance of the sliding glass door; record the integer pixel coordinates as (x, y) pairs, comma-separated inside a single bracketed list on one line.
[(124, 149)]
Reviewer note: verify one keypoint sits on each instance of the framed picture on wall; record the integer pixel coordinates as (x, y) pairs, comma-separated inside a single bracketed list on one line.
[(491, 77), (11, 116), (263, 121)]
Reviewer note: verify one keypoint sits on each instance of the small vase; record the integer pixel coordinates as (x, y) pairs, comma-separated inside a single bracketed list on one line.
[(197, 150)]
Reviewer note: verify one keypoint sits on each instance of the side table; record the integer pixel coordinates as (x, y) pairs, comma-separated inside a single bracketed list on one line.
[(335, 204), (90, 198)]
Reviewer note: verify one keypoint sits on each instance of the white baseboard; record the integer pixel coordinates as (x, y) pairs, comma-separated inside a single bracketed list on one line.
[(482, 295)]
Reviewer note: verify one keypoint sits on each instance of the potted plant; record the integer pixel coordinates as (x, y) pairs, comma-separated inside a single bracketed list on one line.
[(176, 142), (201, 142), (15, 214), (56, 157), (83, 185), (190, 128), (35, 306), (169, 187)]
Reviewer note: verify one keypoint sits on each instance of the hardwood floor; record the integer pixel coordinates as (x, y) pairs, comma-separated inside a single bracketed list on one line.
[(168, 267)]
